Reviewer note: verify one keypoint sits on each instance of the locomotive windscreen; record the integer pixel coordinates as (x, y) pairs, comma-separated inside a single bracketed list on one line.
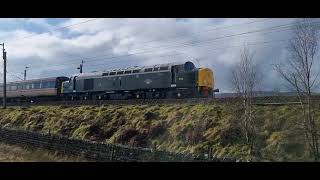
[(188, 66)]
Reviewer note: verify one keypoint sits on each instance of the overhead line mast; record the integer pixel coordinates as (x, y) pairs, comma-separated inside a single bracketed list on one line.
[(4, 56), (81, 67), (25, 73)]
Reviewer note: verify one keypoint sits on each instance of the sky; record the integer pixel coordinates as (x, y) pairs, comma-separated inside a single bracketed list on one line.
[(56, 47)]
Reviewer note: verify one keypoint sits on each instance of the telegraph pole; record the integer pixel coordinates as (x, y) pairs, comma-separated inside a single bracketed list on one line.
[(4, 56), (25, 73)]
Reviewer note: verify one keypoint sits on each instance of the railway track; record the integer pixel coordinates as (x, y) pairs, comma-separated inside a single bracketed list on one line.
[(114, 102), (261, 101)]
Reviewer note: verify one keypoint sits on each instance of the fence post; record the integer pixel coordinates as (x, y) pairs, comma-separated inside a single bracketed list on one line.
[(112, 152), (155, 151), (209, 153)]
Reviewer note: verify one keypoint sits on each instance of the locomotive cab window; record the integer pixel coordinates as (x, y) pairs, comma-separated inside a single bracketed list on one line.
[(156, 69), (88, 84), (127, 72), (112, 73), (105, 74), (189, 66), (136, 71), (120, 72)]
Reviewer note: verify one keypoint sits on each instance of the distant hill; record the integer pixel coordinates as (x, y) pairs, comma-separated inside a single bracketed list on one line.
[(257, 94)]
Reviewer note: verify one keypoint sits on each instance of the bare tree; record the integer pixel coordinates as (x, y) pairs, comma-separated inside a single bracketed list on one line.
[(299, 71), (244, 80)]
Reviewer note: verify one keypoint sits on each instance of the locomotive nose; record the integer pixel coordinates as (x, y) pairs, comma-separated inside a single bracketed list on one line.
[(205, 78)]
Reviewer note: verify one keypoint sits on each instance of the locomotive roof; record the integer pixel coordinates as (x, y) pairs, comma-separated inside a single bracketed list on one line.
[(99, 73)]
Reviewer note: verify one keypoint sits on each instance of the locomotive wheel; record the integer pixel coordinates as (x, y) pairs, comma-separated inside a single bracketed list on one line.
[(84, 98), (163, 95), (107, 96), (94, 98)]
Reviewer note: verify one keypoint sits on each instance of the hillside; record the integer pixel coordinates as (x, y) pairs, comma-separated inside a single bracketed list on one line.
[(172, 127)]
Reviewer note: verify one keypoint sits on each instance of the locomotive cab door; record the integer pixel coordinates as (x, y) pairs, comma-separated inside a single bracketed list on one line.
[(117, 83), (174, 71), (74, 82)]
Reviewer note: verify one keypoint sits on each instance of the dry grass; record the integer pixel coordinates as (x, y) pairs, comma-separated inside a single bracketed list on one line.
[(12, 153)]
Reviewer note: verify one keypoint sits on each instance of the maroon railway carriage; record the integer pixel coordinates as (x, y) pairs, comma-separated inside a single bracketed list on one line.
[(35, 89)]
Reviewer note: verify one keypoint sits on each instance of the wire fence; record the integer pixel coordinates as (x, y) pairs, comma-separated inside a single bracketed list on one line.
[(98, 151)]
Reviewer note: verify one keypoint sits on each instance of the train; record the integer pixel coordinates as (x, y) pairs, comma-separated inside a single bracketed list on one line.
[(171, 80)]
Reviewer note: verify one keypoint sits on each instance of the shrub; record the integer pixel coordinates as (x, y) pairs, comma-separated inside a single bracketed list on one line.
[(230, 135), (139, 140), (157, 131), (149, 115), (127, 135)]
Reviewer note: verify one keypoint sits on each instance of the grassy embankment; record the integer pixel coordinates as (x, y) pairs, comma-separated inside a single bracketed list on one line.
[(178, 128)]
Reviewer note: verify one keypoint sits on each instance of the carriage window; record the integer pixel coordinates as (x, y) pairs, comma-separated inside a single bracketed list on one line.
[(120, 72), (88, 84), (52, 84), (112, 73), (13, 88), (22, 86), (105, 74), (156, 69), (44, 85), (30, 86), (36, 85), (148, 70), (127, 72), (164, 68), (136, 71)]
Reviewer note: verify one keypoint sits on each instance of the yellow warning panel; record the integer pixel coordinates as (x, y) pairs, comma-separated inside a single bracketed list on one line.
[(205, 78)]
